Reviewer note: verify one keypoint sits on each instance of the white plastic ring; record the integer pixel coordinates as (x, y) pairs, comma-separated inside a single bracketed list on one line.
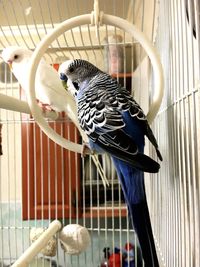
[(75, 22)]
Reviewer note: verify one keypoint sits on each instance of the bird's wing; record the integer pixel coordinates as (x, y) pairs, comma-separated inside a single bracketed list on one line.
[(120, 145), (49, 77), (49, 88), (101, 111)]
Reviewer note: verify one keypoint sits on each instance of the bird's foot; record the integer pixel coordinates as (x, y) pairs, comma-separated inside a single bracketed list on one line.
[(44, 107), (86, 150)]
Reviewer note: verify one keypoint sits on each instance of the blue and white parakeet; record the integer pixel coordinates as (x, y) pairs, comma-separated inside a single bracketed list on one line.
[(115, 124)]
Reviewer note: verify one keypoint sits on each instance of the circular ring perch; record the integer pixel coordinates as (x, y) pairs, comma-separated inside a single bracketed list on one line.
[(82, 20)]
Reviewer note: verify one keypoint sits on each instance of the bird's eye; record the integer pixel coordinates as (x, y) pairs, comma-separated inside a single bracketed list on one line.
[(71, 70), (16, 56)]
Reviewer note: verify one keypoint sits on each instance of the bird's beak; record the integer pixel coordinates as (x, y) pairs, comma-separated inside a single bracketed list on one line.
[(63, 77), (10, 64)]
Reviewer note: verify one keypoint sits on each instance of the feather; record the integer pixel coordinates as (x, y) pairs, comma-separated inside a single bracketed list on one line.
[(117, 126)]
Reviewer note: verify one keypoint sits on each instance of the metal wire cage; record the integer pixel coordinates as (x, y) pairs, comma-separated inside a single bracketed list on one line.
[(40, 181), (175, 191)]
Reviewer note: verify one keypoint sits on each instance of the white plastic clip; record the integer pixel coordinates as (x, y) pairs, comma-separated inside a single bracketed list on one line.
[(96, 16)]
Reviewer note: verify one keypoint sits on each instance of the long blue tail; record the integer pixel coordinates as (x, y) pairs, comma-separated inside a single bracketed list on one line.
[(132, 183)]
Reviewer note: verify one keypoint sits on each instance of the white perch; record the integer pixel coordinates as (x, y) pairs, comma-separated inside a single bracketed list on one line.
[(14, 104), (38, 245), (75, 22)]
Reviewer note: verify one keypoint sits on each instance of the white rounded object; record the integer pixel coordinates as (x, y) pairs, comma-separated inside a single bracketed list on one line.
[(74, 239), (50, 248), (75, 22)]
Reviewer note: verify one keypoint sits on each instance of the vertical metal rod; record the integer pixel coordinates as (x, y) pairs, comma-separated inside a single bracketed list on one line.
[(14, 169), (56, 174), (70, 179)]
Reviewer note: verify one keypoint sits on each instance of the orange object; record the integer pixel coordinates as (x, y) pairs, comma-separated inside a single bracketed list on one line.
[(115, 260)]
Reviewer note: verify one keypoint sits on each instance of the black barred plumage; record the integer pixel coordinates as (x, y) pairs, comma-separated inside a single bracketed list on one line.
[(110, 102), (101, 103)]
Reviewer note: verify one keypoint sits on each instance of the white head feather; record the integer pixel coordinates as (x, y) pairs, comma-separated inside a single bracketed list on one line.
[(15, 54), (64, 66), (17, 58), (49, 89)]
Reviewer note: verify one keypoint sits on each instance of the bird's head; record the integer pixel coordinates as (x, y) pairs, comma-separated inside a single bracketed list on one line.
[(77, 70), (15, 55)]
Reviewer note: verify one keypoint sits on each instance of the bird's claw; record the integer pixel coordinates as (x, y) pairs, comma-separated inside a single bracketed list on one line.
[(86, 150), (44, 107)]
